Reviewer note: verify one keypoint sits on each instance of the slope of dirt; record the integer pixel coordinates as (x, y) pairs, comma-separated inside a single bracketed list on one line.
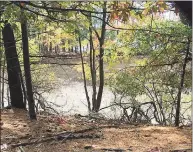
[(17, 128)]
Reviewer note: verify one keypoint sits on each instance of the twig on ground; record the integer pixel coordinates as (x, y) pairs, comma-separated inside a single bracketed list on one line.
[(63, 136)]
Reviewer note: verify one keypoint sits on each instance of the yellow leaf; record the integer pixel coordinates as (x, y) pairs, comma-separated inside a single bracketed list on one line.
[(161, 9), (160, 3), (145, 12)]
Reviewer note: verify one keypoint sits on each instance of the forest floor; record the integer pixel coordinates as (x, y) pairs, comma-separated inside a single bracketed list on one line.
[(80, 134)]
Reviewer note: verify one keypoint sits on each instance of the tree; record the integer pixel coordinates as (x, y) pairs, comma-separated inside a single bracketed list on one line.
[(96, 22), (96, 96), (13, 68), (2, 103), (186, 9), (1, 54), (162, 73), (27, 70), (101, 63), (181, 85)]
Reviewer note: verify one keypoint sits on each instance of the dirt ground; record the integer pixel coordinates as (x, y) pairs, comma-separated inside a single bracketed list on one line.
[(17, 128)]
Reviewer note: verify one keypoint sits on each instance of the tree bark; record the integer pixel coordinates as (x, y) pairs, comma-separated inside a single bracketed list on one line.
[(177, 119), (13, 68), (27, 70)]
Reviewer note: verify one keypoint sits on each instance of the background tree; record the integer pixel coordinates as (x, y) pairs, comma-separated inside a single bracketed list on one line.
[(157, 74)]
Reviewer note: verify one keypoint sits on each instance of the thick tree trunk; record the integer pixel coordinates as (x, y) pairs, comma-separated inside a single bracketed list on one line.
[(27, 70), (13, 68), (101, 68), (177, 119)]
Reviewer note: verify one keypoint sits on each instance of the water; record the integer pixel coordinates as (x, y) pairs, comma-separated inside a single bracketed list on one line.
[(72, 96)]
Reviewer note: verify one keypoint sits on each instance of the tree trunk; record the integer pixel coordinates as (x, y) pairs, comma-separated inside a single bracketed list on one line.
[(92, 69), (1, 79), (57, 49), (8, 97), (177, 119), (84, 77), (76, 49), (3, 83), (101, 68), (69, 50), (27, 70), (63, 46), (1, 53), (13, 68), (72, 49), (24, 89), (50, 49), (1, 59)]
